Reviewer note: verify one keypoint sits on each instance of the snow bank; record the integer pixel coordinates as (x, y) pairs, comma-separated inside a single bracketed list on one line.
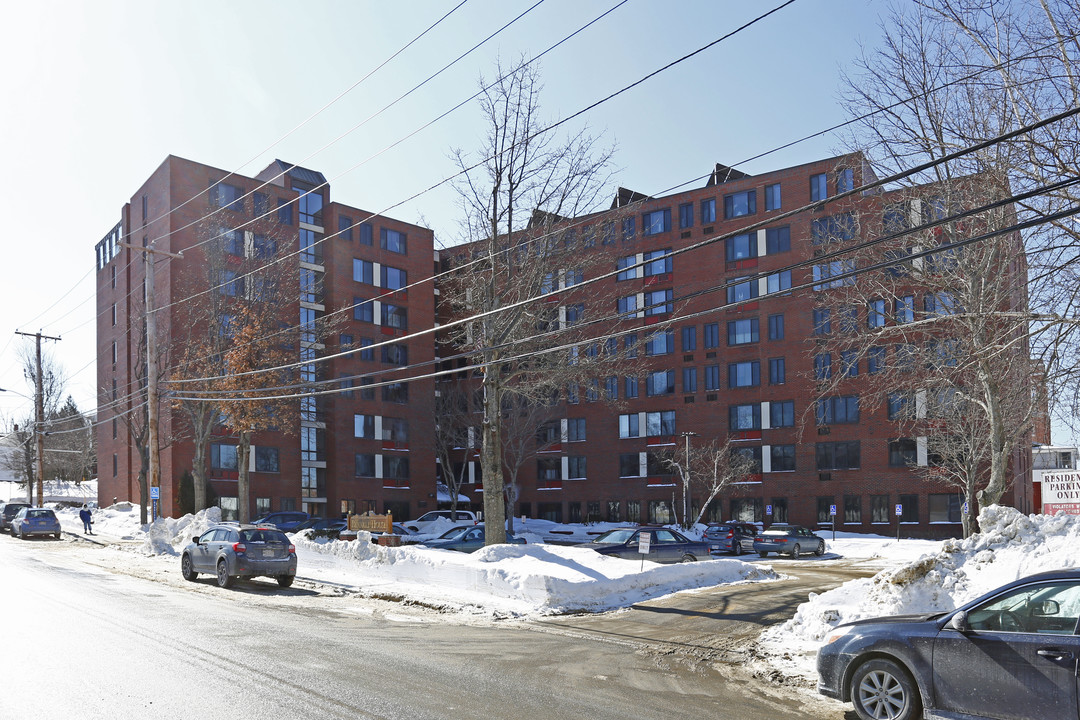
[(1010, 546), (516, 579), (169, 536)]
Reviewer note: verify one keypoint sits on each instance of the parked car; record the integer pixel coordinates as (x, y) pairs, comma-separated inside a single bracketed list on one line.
[(285, 520), (665, 546), (466, 539), (1009, 654), (430, 518), (8, 511), (793, 540), (400, 530), (732, 537), (35, 521), (232, 551), (318, 523)]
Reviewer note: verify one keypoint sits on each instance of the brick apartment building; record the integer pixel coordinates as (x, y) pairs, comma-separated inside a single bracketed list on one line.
[(745, 371), (354, 451)]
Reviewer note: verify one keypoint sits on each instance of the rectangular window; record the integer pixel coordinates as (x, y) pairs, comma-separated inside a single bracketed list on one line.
[(822, 366), (909, 508), (689, 379), (395, 354), (875, 316), (903, 452), (364, 427), (576, 467), (777, 240), (742, 332), (744, 417), (904, 309), (657, 262), (708, 211), (837, 273), (394, 278), (845, 180), (262, 204), (822, 323), (367, 354), (659, 302), (395, 316), (833, 229), (660, 383), (629, 229), (744, 374), (837, 455), (776, 327), (395, 429), (686, 215), (782, 457), (548, 470), (753, 455), (223, 195), (819, 188), (660, 344), (689, 339), (363, 310), (839, 410), (742, 292), (395, 467), (777, 373), (875, 359), (778, 282), (611, 387), (772, 196), (712, 377), (944, 507), (740, 204), (393, 241), (366, 234), (365, 465), (629, 465), (345, 227), (656, 222), (741, 247), (396, 393), (223, 456), (626, 267), (879, 509), (852, 509), (905, 357), (284, 212), (897, 404), (363, 271), (574, 313), (712, 335), (849, 363), (266, 459), (575, 430), (660, 424), (782, 414), (631, 386), (628, 426)]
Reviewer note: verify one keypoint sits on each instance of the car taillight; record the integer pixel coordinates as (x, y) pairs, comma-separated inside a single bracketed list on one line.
[(731, 534), (292, 549), (239, 548)]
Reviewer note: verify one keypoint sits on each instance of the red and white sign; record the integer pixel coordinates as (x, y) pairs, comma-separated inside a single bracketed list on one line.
[(1061, 492)]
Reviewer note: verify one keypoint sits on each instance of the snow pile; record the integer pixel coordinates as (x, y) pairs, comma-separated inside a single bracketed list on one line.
[(1010, 546), (512, 579), (169, 536), (120, 520)]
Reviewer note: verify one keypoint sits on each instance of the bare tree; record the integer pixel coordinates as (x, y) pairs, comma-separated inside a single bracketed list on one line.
[(525, 183), (709, 468), (454, 435), (529, 427)]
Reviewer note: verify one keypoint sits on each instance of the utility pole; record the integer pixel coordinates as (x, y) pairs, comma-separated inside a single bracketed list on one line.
[(154, 478), (39, 422)]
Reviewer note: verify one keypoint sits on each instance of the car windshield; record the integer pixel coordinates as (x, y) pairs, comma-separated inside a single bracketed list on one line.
[(453, 534), (620, 535)]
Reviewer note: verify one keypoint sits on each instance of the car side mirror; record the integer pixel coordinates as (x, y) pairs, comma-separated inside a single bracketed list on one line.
[(195, 539), (1045, 608), (959, 622)]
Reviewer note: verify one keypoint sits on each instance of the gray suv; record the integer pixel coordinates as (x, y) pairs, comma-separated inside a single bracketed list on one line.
[(232, 551), (8, 511)]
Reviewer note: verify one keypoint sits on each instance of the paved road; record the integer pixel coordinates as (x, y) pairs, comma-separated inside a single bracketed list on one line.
[(84, 639)]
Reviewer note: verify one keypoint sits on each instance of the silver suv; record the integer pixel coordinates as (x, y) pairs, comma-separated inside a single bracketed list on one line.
[(232, 551)]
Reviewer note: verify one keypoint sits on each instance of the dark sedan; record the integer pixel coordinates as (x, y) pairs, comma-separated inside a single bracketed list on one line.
[(1012, 653), (466, 539), (730, 537), (665, 546), (793, 540)]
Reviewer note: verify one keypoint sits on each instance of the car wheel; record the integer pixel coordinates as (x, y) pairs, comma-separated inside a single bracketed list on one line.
[(762, 553), (285, 580), (57, 536), (796, 551), (882, 690), (736, 548), (223, 578), (185, 568), (688, 558), (820, 549)]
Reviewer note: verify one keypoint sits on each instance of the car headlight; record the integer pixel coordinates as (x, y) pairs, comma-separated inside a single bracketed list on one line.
[(836, 635)]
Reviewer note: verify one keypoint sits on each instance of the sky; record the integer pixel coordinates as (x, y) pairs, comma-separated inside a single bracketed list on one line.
[(99, 93)]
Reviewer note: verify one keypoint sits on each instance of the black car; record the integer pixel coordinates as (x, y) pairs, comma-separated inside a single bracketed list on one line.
[(732, 537), (284, 520), (7, 512), (665, 546), (1010, 654), (793, 540)]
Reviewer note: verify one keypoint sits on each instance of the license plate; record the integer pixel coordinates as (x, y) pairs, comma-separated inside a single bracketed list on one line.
[(268, 553)]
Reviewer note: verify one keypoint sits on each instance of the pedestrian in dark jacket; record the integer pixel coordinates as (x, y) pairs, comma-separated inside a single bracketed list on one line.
[(87, 523)]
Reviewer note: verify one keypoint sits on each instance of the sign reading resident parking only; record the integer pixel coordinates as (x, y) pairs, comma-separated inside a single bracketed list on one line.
[(643, 542)]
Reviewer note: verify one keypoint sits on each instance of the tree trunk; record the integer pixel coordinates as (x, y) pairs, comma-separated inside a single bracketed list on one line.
[(198, 473), (243, 483), (491, 462)]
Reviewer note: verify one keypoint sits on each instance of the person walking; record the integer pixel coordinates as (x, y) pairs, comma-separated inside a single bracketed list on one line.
[(87, 521)]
